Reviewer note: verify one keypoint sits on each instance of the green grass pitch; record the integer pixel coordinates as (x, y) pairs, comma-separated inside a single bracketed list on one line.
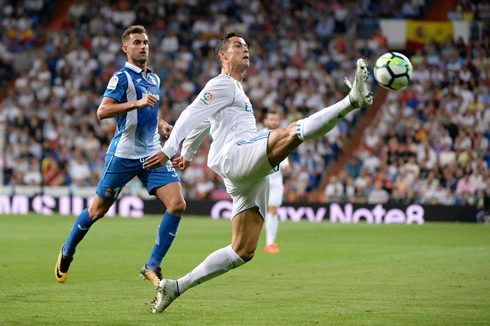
[(434, 274)]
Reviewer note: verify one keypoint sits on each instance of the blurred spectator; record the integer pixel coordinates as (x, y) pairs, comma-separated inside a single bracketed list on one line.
[(466, 185), (378, 195), (79, 170), (334, 190)]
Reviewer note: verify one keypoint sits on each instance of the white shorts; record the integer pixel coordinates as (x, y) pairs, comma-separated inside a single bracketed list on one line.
[(276, 192), (245, 169)]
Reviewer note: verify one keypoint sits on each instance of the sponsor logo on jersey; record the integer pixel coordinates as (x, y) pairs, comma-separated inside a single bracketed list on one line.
[(156, 95), (138, 80), (113, 82), (108, 193), (152, 80)]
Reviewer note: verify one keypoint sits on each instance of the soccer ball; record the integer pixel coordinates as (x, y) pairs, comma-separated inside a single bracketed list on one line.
[(393, 71)]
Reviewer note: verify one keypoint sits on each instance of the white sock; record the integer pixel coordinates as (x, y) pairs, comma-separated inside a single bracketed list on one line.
[(217, 263), (324, 120), (271, 226)]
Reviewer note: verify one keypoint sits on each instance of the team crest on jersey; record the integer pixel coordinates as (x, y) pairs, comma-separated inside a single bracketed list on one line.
[(113, 82), (108, 193), (152, 80)]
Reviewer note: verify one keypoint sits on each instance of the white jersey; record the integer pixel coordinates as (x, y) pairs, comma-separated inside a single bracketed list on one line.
[(221, 109)]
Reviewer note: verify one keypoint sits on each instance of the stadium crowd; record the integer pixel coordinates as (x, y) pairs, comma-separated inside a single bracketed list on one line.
[(18, 23), (295, 71), (429, 142)]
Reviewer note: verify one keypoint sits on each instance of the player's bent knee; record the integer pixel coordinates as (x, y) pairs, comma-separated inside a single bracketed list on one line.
[(246, 255), (177, 207), (96, 213)]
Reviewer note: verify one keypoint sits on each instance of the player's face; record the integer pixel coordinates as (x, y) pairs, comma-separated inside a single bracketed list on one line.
[(237, 53), (272, 121), (137, 48)]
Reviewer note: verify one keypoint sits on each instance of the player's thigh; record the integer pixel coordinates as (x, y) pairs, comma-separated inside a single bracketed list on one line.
[(153, 179), (172, 197), (116, 174), (246, 228), (248, 162), (282, 142)]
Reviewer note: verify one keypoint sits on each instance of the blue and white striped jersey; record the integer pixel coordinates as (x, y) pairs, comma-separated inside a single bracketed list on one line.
[(137, 131)]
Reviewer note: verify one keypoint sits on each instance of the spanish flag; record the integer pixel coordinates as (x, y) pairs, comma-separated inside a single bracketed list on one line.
[(420, 33)]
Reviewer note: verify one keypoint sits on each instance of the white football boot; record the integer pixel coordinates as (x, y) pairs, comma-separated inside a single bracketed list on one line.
[(168, 291), (360, 96)]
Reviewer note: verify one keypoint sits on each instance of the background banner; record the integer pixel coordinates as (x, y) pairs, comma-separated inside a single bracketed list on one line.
[(132, 206), (420, 33)]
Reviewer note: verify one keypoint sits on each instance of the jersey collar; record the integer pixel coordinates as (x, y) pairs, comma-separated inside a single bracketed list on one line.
[(136, 69)]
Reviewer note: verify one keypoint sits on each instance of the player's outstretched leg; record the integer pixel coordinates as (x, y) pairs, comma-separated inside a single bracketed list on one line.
[(78, 231), (324, 120), (283, 141)]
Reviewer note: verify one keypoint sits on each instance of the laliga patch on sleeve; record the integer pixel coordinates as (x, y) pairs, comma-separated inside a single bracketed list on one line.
[(206, 98), (113, 83)]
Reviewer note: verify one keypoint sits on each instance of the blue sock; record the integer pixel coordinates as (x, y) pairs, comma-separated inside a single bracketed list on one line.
[(165, 236), (80, 228)]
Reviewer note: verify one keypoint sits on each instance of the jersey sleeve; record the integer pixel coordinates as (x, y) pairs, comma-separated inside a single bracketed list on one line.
[(116, 88), (216, 95), (194, 139)]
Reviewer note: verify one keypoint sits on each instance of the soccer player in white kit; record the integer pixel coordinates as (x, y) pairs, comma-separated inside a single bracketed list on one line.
[(240, 156), (276, 191)]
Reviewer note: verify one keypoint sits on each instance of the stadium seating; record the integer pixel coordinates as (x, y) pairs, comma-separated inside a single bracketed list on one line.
[(295, 71)]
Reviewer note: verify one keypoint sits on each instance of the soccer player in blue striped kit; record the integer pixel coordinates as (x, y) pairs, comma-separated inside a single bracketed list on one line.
[(133, 97)]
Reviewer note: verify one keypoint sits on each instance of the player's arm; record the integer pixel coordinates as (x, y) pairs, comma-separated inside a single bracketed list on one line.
[(218, 94), (110, 107), (164, 128), (191, 144), (112, 104)]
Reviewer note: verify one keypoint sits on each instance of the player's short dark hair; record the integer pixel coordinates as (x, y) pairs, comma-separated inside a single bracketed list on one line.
[(222, 44), (269, 112), (135, 29)]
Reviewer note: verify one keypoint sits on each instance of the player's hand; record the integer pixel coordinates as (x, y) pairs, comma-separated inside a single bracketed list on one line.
[(181, 163), (147, 100), (155, 161), (164, 128)]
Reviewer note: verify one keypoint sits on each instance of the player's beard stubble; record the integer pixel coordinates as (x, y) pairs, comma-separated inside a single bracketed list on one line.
[(139, 60)]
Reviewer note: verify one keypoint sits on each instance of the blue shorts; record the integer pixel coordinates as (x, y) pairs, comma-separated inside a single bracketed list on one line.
[(119, 171)]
